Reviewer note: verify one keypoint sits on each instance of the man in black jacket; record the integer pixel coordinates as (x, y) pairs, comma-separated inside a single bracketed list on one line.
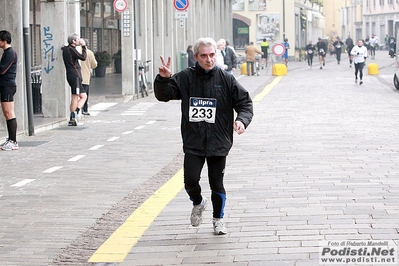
[(8, 87), (71, 58), (209, 98), (230, 58)]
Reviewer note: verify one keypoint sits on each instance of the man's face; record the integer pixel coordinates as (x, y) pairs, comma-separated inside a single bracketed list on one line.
[(360, 43), (76, 42), (206, 57), (220, 46)]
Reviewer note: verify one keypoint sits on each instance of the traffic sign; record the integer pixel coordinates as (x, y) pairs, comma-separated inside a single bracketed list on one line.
[(181, 5), (120, 5), (278, 49)]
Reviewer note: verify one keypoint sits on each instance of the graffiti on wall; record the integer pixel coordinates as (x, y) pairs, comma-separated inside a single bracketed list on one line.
[(48, 50)]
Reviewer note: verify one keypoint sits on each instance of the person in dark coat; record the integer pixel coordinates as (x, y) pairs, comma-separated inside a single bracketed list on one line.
[(8, 88), (191, 59), (209, 97)]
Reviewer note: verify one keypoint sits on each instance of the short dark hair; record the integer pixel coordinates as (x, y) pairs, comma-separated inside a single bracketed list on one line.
[(264, 39), (5, 36)]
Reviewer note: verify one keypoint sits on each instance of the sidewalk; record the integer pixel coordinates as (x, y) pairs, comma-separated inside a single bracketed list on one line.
[(318, 162), (108, 88)]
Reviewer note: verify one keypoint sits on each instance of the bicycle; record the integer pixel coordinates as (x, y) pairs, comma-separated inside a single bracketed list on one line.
[(143, 80), (257, 65), (240, 60)]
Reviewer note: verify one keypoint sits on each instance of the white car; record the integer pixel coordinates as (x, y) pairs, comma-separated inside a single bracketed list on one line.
[(396, 75)]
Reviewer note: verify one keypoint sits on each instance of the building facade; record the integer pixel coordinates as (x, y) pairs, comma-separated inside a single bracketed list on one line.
[(274, 20), (380, 18), (361, 18)]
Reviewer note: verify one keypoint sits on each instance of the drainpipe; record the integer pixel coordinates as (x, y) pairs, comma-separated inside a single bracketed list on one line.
[(27, 55)]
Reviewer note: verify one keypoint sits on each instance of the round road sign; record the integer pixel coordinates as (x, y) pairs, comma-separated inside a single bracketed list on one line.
[(278, 49), (120, 5), (181, 5)]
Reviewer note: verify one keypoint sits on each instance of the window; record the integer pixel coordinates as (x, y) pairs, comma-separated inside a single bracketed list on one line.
[(382, 2)]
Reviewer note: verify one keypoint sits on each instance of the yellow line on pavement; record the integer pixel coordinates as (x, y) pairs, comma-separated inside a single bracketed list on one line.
[(119, 244), (259, 97)]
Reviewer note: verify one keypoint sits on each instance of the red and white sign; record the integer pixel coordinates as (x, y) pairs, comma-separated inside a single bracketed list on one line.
[(278, 49), (181, 5), (120, 5)]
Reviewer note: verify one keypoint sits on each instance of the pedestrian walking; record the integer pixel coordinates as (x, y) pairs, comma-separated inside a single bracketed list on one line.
[(321, 48), (285, 55), (8, 88), (220, 54), (366, 44), (264, 46), (349, 47), (392, 47), (229, 46), (338, 49), (360, 54), (310, 48), (71, 58), (230, 58), (250, 52), (373, 45), (87, 66), (348, 41), (209, 96), (190, 53)]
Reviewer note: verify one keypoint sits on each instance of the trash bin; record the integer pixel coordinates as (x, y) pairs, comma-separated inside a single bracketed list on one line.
[(36, 81), (183, 60)]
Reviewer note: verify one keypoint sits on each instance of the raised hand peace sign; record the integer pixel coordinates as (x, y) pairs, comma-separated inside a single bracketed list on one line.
[(164, 69)]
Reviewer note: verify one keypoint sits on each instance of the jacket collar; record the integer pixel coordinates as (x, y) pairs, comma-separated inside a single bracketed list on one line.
[(202, 71)]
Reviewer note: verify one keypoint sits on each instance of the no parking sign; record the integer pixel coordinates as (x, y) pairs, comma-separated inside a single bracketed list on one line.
[(278, 49), (181, 5)]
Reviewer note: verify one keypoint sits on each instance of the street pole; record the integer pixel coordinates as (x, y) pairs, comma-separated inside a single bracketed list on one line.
[(27, 55), (283, 20), (136, 53)]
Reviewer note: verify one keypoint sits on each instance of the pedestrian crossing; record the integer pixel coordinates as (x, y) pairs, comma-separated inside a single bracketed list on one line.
[(97, 108), (138, 109)]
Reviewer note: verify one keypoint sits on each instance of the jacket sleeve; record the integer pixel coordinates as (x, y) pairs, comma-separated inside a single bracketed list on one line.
[(353, 51), (7, 62), (242, 104), (166, 89), (75, 54), (93, 63), (234, 57)]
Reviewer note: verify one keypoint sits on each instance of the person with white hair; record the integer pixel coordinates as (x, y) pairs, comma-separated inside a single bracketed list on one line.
[(213, 105)]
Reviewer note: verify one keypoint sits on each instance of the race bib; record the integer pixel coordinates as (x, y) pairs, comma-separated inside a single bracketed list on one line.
[(202, 109), (338, 46), (321, 50), (310, 51)]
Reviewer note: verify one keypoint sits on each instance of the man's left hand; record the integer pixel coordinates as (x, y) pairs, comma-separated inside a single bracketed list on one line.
[(239, 127)]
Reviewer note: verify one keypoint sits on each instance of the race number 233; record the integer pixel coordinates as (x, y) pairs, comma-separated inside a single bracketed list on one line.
[(202, 109)]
